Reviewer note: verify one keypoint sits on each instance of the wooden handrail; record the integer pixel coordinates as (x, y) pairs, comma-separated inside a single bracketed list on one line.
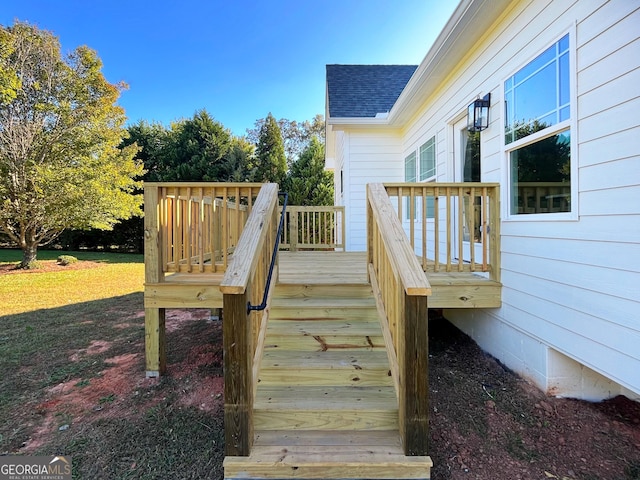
[(243, 283), (401, 289)]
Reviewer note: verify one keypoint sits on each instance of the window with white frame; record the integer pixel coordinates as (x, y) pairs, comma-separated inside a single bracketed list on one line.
[(409, 176), (537, 133), (428, 160), (421, 165)]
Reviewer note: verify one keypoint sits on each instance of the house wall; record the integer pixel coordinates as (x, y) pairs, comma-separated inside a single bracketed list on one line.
[(569, 320), (372, 159)]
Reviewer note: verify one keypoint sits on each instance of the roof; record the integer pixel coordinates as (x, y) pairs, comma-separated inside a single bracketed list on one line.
[(357, 91)]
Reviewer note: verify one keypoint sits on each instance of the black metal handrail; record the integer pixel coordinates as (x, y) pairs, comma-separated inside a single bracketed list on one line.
[(276, 246)]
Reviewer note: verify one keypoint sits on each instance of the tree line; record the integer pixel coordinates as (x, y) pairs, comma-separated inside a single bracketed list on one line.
[(72, 171)]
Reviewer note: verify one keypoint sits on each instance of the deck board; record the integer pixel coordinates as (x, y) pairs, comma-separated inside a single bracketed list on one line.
[(449, 289)]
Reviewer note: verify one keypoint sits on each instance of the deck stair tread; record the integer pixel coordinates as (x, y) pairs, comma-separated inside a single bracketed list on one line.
[(325, 403), (297, 290), (328, 454), (365, 326), (326, 397), (332, 359), (311, 302)]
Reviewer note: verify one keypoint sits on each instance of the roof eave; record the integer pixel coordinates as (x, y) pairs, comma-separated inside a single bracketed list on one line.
[(358, 121), (467, 24)]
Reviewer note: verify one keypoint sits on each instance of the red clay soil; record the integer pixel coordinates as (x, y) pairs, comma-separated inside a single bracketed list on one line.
[(110, 394)]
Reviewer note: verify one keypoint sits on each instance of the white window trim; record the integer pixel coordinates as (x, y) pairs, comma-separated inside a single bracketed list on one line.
[(416, 151), (571, 124)]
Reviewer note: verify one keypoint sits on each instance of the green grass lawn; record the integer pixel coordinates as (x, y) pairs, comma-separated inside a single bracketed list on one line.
[(116, 275), (138, 429)]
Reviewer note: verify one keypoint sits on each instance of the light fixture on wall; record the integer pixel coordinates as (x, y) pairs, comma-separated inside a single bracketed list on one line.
[(478, 114)]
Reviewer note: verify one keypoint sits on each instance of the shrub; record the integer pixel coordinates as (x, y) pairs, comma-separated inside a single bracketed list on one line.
[(33, 265), (67, 259)]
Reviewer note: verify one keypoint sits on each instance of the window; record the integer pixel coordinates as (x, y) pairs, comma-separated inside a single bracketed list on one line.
[(409, 176), (410, 168), (428, 169), (428, 159), (421, 165), (537, 133), (540, 176)]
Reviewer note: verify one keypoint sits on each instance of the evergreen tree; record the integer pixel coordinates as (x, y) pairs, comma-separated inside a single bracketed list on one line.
[(308, 182), (270, 161), (198, 151)]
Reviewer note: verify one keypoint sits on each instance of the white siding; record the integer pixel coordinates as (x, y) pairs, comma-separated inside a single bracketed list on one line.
[(570, 287), (373, 158), (573, 286)]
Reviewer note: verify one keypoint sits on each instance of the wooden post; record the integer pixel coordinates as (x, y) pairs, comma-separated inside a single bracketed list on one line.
[(414, 379), (154, 321), (238, 373), (494, 234), (155, 341), (237, 328)]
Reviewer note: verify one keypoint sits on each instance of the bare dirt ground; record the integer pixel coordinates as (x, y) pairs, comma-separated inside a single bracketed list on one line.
[(486, 422)]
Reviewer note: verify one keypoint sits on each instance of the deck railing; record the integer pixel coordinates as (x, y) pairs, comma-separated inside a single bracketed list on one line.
[(401, 290), (244, 283), (199, 224), (313, 228), (452, 227)]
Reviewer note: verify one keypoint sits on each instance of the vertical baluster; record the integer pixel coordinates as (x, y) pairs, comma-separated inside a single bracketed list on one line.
[(424, 228), (436, 229), (460, 228), (225, 227), (412, 216), (449, 228), (485, 225), (472, 228)]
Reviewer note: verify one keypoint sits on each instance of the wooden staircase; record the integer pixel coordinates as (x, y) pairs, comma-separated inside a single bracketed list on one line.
[(325, 404)]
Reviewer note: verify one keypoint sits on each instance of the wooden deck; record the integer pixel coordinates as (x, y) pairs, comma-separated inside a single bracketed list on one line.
[(449, 289), (331, 380)]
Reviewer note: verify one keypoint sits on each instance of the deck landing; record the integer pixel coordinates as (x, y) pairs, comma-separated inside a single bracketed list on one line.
[(449, 289)]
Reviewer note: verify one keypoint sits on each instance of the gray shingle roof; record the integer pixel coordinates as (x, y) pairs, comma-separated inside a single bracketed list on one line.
[(365, 90)]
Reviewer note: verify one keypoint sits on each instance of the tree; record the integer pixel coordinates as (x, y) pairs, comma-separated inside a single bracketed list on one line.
[(154, 142), (60, 131), (270, 161), (295, 135), (239, 160), (308, 183), (199, 149)]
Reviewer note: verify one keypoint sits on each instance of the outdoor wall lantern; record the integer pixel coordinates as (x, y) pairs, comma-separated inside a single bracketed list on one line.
[(478, 114)]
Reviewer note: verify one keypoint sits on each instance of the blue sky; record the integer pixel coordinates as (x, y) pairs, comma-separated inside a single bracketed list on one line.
[(238, 59)]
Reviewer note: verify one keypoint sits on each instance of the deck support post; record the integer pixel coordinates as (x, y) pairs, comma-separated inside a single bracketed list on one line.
[(154, 340), (154, 318), (238, 375), (414, 367)]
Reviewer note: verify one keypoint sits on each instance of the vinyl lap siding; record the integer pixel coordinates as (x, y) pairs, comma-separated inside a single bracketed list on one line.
[(570, 285), (372, 159)]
